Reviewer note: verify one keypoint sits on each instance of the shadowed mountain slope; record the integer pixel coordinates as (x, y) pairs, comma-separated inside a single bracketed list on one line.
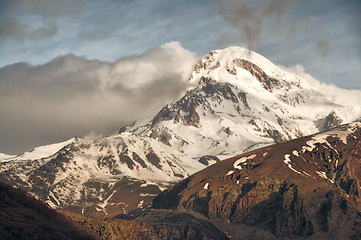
[(24, 217)]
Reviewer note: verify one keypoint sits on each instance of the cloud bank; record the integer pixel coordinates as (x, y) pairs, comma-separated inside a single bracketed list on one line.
[(71, 95)]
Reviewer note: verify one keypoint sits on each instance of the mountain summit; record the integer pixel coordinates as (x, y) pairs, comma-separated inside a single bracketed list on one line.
[(239, 101)]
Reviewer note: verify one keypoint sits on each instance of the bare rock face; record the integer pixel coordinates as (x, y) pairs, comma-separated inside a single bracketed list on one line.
[(184, 111), (331, 121), (267, 82), (204, 63), (304, 188), (208, 160)]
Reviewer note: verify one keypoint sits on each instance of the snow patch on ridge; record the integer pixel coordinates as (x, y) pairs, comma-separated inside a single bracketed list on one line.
[(243, 160), (230, 172), (105, 202), (323, 175), (288, 162), (322, 137)]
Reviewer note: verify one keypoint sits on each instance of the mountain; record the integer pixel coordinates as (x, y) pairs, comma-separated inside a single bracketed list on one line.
[(304, 188), (238, 101), (241, 101), (24, 217)]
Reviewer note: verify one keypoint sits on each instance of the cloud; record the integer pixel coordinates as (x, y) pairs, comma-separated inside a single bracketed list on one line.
[(72, 96), (248, 19), (98, 36), (49, 8), (34, 19), (322, 47), (341, 96), (12, 28), (92, 135)]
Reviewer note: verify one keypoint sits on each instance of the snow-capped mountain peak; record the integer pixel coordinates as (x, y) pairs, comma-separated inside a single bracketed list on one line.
[(241, 100)]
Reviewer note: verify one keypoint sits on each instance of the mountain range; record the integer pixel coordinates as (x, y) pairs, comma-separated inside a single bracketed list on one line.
[(239, 101)]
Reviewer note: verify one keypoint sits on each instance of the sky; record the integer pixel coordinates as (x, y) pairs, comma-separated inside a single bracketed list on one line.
[(85, 68)]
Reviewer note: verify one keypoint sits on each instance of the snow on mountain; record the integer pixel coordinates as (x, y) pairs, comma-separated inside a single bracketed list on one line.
[(5, 156), (38, 152), (98, 175), (242, 101)]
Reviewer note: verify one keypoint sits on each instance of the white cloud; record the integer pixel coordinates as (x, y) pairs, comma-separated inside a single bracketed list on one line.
[(341, 96), (72, 96)]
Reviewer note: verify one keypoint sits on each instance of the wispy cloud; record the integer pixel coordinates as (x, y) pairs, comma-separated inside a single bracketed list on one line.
[(248, 17), (98, 36), (72, 95), (48, 8), (322, 47), (13, 29), (37, 19)]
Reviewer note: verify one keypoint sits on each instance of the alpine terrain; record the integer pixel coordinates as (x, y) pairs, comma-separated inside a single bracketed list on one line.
[(239, 101)]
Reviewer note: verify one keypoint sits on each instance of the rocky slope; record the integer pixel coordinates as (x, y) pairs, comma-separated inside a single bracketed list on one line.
[(304, 188), (106, 176), (24, 217), (239, 101)]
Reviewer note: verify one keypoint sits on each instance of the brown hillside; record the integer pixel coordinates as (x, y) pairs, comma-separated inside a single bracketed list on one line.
[(24, 217), (304, 188)]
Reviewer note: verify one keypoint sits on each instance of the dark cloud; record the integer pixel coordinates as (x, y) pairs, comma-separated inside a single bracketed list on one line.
[(72, 96), (248, 17), (322, 47), (15, 15), (98, 36), (49, 8), (14, 29)]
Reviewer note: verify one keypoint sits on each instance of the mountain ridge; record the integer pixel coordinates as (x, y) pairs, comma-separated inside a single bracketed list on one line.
[(303, 188)]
